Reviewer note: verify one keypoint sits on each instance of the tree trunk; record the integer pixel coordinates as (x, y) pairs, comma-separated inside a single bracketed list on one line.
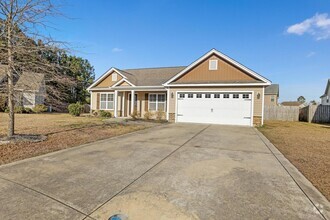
[(10, 75)]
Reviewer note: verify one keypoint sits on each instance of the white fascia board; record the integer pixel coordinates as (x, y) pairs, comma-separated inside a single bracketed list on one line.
[(223, 56), (107, 73), (218, 84), (122, 80)]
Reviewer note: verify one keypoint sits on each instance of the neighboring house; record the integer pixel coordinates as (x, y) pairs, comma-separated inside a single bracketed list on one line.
[(29, 87), (272, 93), (325, 98), (293, 103), (213, 89)]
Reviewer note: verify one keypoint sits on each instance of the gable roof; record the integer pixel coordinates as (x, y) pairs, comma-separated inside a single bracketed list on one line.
[(327, 88), (164, 76), (107, 73), (151, 76), (225, 57), (273, 89), (29, 81)]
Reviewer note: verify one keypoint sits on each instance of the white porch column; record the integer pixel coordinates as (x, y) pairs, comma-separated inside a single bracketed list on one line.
[(132, 101), (123, 105), (167, 104), (115, 104)]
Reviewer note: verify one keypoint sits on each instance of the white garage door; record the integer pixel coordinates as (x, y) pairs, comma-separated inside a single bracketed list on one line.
[(215, 108)]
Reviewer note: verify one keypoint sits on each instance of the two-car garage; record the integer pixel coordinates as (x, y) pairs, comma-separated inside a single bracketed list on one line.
[(231, 108)]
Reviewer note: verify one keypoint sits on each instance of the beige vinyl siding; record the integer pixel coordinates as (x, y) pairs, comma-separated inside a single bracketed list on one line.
[(257, 108), (268, 100), (124, 84), (107, 82), (226, 72)]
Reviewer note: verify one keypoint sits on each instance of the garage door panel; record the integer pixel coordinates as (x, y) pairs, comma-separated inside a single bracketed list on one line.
[(213, 110)]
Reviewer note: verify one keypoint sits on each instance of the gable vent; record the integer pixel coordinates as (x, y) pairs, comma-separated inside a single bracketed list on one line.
[(213, 64)]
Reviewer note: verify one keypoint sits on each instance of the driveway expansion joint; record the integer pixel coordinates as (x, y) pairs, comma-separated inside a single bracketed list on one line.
[(43, 194), (288, 172), (147, 171), (225, 149)]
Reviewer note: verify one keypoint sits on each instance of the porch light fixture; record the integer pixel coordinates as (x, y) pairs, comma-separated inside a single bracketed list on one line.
[(172, 95), (258, 95)]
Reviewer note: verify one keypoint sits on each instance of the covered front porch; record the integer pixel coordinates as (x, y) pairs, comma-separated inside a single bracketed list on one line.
[(139, 102)]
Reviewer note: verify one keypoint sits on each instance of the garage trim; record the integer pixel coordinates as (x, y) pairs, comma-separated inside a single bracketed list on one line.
[(215, 91)]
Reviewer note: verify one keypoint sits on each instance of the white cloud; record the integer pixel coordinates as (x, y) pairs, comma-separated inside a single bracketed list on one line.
[(310, 54), (117, 50), (318, 26)]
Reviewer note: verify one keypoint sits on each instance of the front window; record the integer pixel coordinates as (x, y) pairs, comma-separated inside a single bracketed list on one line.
[(106, 101), (157, 102)]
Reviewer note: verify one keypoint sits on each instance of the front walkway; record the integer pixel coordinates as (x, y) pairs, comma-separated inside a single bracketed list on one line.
[(177, 171)]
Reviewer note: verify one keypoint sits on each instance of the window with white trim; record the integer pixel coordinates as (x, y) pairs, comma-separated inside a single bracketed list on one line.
[(114, 77), (226, 96), (157, 102), (217, 96), (106, 101), (235, 96), (199, 95), (207, 95), (181, 95), (213, 64), (190, 95)]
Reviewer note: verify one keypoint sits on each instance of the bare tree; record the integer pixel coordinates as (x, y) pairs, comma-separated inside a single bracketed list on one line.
[(25, 48)]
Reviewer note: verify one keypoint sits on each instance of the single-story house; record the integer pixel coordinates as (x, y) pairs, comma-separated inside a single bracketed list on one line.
[(293, 103), (29, 87), (272, 94), (325, 98), (213, 89)]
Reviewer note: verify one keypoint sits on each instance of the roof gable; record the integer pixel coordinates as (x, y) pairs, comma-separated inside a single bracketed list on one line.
[(226, 61), (105, 80), (327, 89)]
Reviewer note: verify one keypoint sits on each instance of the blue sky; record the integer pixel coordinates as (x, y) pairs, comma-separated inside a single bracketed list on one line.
[(285, 41)]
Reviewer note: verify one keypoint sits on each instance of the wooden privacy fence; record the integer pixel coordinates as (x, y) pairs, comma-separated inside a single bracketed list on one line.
[(283, 113), (315, 113)]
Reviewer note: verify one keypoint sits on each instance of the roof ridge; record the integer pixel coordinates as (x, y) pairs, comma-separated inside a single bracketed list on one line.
[(154, 68)]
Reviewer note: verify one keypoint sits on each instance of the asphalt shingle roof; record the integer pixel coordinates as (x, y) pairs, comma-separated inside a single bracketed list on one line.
[(151, 76), (29, 81), (272, 89)]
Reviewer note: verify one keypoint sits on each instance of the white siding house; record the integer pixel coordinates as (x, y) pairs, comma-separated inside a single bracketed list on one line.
[(325, 98)]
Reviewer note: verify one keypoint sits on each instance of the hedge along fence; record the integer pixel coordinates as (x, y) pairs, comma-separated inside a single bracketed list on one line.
[(315, 114), (282, 113)]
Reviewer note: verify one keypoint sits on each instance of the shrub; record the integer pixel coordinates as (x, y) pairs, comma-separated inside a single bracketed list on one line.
[(105, 114), (28, 110), (135, 114), (75, 109), (148, 115), (39, 108), (160, 115), (19, 109)]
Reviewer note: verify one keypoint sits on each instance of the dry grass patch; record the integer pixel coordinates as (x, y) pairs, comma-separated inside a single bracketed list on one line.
[(62, 131), (307, 146)]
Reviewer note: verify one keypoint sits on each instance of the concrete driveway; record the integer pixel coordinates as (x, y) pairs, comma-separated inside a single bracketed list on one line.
[(176, 171)]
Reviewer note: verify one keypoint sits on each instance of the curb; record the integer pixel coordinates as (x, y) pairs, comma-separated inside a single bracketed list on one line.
[(318, 200)]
